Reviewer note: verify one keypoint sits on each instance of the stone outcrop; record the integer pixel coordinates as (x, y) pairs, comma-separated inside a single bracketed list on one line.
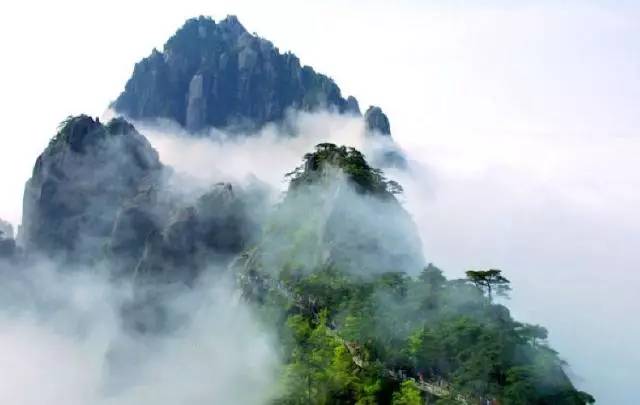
[(6, 229), (377, 121), (7, 242), (209, 232)]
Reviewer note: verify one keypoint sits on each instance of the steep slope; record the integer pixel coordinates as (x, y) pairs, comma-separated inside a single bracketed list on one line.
[(218, 74), (337, 272), (377, 121), (7, 242), (209, 232), (100, 193), (78, 184), (342, 212)]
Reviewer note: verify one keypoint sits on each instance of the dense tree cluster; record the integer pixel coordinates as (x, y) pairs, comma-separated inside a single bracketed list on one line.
[(389, 338), (350, 162)]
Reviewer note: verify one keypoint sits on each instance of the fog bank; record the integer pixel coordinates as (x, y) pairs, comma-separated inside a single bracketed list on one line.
[(62, 341), (555, 213)]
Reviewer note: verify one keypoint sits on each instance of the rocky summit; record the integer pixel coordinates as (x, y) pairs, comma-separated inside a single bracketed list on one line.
[(220, 75), (99, 193), (79, 182), (329, 207), (377, 121)]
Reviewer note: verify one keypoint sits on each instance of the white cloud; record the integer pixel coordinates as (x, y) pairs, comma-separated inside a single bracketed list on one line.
[(62, 342)]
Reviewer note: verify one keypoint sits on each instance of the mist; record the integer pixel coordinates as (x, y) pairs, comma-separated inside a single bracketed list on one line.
[(62, 341), (66, 328), (266, 155), (556, 214)]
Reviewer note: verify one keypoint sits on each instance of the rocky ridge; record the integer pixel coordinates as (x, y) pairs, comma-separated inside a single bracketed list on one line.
[(219, 75), (99, 192)]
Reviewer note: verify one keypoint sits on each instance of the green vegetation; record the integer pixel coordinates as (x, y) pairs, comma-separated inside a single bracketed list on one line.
[(350, 340), (351, 162), (80, 130), (391, 338), (489, 281)]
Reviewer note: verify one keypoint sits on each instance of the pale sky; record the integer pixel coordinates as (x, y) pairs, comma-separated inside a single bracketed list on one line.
[(524, 116)]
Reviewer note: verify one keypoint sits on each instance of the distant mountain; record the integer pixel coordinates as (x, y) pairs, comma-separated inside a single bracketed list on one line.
[(219, 75)]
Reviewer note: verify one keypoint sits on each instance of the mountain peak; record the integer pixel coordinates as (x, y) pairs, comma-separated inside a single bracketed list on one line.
[(78, 183), (377, 120), (219, 75), (351, 162), (232, 24), (82, 131)]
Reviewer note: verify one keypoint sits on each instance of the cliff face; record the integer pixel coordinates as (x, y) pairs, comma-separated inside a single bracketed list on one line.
[(220, 75), (211, 231), (99, 192), (377, 121), (7, 243), (80, 181)]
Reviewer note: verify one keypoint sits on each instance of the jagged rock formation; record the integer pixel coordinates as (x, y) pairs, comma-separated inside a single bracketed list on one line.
[(99, 192), (215, 228), (78, 184), (6, 229), (138, 217), (377, 121), (218, 74), (172, 253), (7, 242)]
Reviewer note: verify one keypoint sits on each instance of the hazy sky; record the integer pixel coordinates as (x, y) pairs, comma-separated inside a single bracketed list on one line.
[(525, 118)]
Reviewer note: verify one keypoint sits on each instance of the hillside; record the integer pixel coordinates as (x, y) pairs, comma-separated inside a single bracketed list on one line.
[(362, 321)]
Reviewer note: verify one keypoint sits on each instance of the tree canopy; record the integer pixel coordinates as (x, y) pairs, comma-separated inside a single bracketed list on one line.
[(489, 281)]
